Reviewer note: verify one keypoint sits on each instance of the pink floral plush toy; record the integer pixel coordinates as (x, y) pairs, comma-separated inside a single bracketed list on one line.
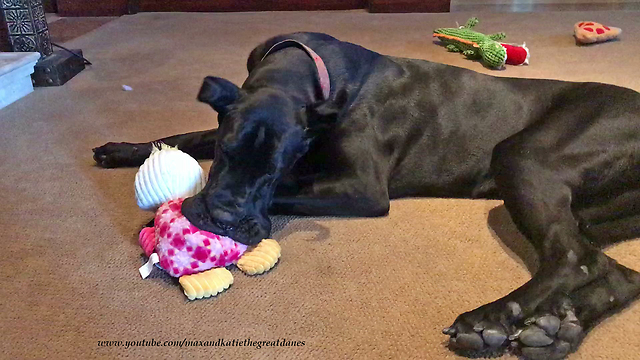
[(195, 256), (182, 248)]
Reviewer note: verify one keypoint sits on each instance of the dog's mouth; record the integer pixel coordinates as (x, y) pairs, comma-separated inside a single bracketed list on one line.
[(247, 229), (223, 227)]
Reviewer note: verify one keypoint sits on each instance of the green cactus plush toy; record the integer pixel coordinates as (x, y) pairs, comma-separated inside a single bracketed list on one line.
[(475, 45)]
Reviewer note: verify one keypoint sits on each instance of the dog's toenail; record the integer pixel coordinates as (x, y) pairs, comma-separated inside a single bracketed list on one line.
[(515, 335), (571, 317), (611, 299), (449, 331), (571, 256)]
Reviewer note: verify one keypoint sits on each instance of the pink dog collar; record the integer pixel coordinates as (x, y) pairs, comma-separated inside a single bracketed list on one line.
[(323, 73)]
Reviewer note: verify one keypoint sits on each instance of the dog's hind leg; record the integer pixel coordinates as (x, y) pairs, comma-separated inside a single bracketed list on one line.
[(566, 317), (538, 172), (614, 216), (200, 145), (539, 201)]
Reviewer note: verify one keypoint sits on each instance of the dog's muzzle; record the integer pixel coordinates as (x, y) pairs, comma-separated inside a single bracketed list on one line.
[(245, 229)]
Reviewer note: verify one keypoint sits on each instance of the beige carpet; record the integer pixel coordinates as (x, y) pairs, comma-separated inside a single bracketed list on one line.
[(350, 289)]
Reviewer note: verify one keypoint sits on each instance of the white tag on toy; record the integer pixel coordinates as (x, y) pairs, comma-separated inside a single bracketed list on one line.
[(146, 269)]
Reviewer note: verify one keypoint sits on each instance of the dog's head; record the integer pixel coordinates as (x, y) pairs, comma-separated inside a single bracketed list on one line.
[(260, 136)]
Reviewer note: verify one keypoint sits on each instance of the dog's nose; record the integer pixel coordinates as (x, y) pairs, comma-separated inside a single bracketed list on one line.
[(248, 229), (255, 228)]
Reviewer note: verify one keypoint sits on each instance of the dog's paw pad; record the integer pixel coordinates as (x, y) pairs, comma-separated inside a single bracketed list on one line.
[(570, 332), (484, 339), (469, 341), (549, 323), (535, 336), (484, 332), (555, 351), (494, 337), (548, 337)]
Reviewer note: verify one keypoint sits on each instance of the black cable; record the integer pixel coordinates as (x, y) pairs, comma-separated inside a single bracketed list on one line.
[(86, 62)]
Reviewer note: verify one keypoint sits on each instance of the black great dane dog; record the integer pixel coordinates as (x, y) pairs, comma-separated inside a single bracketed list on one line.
[(564, 157)]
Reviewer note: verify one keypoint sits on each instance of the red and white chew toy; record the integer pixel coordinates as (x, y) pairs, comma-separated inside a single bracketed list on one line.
[(516, 54)]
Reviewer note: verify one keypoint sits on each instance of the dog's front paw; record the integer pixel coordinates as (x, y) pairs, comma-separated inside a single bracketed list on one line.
[(484, 332), (111, 155)]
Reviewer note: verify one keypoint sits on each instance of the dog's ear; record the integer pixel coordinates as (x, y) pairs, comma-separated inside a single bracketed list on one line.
[(326, 113), (219, 93)]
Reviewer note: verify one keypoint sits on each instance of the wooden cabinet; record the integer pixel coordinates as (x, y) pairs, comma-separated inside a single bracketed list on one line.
[(4, 36), (400, 6), (92, 7), (121, 7), (249, 5), (50, 6)]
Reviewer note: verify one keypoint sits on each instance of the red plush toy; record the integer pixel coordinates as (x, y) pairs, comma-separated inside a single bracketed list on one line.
[(184, 249)]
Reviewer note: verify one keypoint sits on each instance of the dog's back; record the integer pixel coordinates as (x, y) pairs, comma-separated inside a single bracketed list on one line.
[(446, 120)]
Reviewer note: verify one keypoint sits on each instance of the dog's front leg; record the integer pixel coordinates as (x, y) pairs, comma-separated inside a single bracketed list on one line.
[(200, 145), (342, 197)]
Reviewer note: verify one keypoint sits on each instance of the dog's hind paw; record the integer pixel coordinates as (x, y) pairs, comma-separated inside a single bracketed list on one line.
[(548, 336), (493, 329), (485, 331)]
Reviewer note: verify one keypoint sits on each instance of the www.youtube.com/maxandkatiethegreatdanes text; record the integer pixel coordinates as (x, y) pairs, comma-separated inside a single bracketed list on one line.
[(258, 344)]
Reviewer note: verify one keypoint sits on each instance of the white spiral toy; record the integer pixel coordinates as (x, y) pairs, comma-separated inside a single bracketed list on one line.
[(166, 175)]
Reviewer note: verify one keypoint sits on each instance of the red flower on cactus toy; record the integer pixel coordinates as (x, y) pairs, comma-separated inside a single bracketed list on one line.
[(516, 54)]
